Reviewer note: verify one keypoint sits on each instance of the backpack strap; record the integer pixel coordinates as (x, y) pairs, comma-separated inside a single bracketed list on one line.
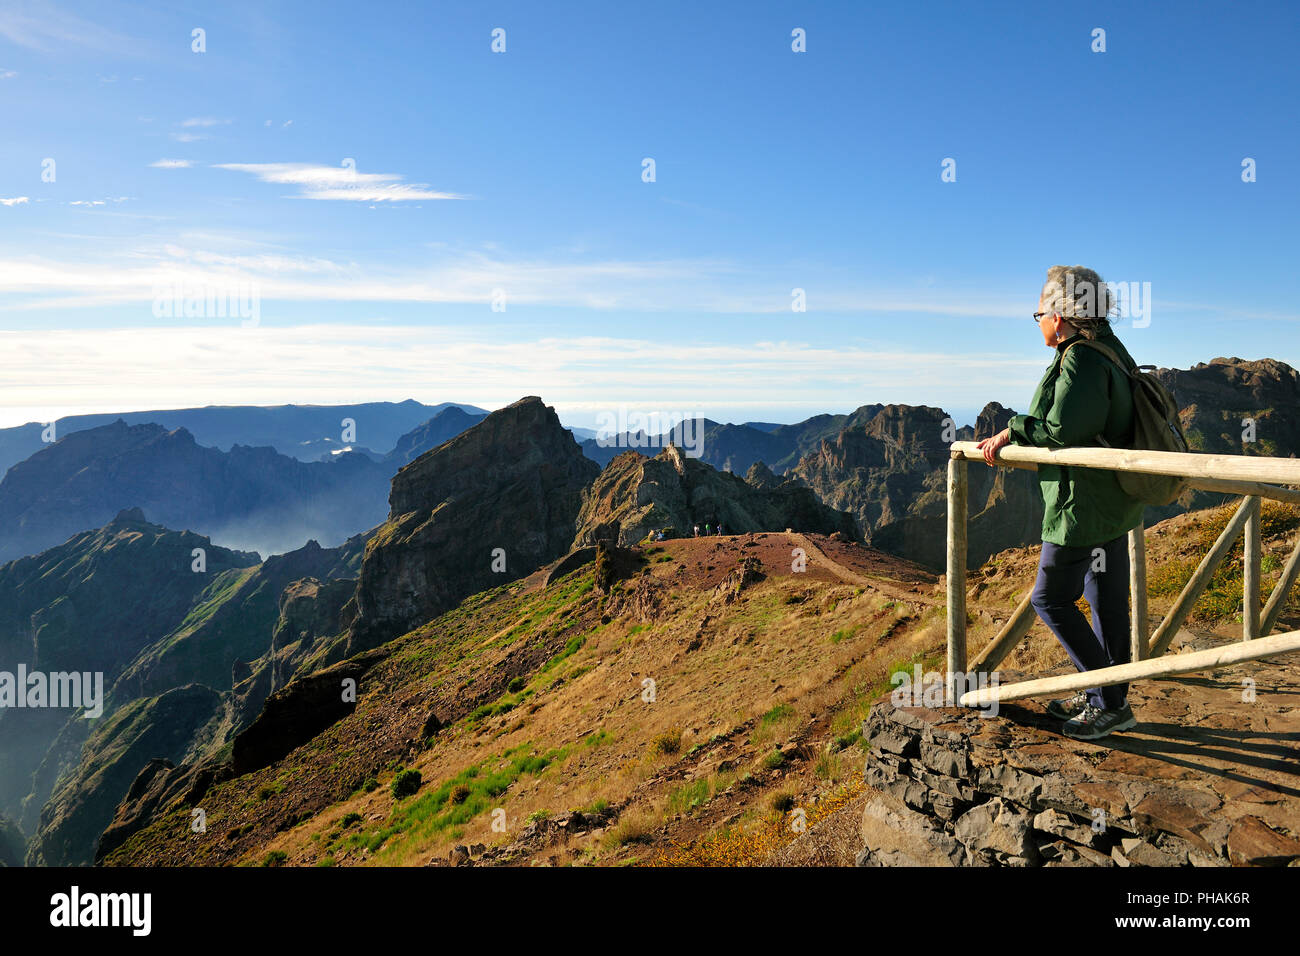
[(1114, 357), (1104, 350)]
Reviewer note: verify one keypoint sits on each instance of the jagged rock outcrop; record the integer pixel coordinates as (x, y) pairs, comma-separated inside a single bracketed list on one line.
[(888, 468), (155, 788), (747, 572), (880, 464), (512, 482), (1215, 396), (762, 477), (635, 495), (1004, 506), (300, 711)]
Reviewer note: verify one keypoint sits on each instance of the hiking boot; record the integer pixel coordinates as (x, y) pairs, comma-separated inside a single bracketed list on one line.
[(1067, 707), (1093, 723)]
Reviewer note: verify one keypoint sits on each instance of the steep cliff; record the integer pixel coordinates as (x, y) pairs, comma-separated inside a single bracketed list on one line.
[(490, 505), (1216, 396), (888, 467)]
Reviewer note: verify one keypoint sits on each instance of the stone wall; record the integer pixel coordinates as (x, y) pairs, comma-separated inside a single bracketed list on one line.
[(959, 789)]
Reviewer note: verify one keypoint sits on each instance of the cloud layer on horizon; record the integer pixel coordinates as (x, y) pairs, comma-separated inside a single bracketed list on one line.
[(179, 366)]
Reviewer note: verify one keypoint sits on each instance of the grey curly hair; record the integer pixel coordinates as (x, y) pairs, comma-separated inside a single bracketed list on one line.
[(1081, 297)]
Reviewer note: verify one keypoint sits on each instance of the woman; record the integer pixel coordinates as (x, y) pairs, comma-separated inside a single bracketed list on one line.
[(1086, 516)]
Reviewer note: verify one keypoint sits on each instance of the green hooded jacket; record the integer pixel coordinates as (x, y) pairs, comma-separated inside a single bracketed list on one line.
[(1081, 396)]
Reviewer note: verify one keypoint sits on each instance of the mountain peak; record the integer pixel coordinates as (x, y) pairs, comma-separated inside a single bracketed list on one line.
[(130, 516), (512, 483)]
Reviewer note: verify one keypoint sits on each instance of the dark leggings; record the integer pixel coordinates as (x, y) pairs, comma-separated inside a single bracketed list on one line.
[(1065, 573)]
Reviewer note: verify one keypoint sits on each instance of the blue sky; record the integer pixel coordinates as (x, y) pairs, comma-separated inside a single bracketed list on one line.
[(473, 171)]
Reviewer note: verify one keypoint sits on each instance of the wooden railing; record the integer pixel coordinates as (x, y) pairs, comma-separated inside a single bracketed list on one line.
[(1253, 477)]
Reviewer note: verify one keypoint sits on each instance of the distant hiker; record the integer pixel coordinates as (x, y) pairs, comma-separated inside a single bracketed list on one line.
[(1086, 515), (659, 535), (708, 528), (697, 531), (719, 527)]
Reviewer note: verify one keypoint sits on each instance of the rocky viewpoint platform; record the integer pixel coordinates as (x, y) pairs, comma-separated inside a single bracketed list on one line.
[(1207, 778)]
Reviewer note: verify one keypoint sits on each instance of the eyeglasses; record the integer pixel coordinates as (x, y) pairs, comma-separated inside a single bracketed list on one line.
[(1039, 315)]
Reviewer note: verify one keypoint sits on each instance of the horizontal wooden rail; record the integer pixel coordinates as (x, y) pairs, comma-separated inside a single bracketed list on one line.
[(1260, 488), (1229, 474), (1123, 673)]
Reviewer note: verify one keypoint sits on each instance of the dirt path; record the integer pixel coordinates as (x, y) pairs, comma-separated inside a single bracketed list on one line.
[(914, 594)]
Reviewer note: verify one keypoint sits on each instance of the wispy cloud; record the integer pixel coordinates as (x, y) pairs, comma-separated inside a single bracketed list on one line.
[(340, 182), (40, 25), (98, 202), (203, 121), (8, 74), (187, 137), (172, 164), (459, 278), (15, 201)]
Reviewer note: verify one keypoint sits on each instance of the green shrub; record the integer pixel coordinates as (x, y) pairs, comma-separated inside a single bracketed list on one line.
[(782, 802), (669, 742), (406, 783)]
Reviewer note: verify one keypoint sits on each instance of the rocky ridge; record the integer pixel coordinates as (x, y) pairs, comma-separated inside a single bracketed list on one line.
[(635, 495)]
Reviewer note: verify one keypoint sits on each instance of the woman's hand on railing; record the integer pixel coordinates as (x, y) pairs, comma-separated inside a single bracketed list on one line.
[(990, 446)]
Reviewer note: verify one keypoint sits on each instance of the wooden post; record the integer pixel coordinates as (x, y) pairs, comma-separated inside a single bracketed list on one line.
[(1012, 633), (1251, 547), (1214, 657), (1137, 585), (1280, 590), (1199, 581), (956, 568)]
